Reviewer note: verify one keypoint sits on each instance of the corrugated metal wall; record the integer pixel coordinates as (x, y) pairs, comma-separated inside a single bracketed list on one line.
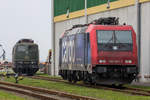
[(92, 3), (61, 6)]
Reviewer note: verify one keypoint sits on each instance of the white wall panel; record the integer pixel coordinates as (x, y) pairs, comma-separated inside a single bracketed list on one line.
[(145, 41)]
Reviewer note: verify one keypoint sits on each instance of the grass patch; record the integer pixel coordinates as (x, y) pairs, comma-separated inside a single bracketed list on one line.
[(84, 91), (46, 75), (9, 96)]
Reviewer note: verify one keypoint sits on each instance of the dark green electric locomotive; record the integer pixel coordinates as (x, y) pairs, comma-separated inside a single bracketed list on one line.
[(25, 57)]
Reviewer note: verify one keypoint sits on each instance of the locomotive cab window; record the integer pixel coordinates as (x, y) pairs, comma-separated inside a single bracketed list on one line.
[(21, 48), (114, 40), (24, 50), (32, 48)]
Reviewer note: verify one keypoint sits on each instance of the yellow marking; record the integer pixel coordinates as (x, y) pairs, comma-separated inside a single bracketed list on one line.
[(113, 5), (96, 9), (71, 15), (141, 1)]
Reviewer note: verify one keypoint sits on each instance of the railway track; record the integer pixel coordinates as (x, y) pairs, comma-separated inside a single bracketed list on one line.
[(40, 93), (133, 91)]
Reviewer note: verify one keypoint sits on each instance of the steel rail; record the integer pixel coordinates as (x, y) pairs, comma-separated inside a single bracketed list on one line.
[(32, 94), (133, 91), (46, 91)]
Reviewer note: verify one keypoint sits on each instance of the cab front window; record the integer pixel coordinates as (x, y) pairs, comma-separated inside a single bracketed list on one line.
[(114, 40)]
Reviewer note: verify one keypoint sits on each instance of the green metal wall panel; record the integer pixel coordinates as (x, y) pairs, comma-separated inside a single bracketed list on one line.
[(60, 6), (91, 3)]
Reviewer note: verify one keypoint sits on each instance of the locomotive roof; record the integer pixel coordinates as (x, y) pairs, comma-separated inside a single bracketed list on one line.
[(75, 30), (91, 26), (25, 41), (81, 28)]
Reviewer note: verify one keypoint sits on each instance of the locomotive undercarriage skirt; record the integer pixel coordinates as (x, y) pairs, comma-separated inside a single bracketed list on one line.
[(115, 69), (115, 74), (26, 69), (102, 75)]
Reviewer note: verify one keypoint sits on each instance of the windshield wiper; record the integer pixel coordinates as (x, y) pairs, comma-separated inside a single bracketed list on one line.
[(115, 42), (109, 41)]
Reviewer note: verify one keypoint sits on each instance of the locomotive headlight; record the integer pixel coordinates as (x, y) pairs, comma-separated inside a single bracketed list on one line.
[(33, 62), (102, 61), (128, 61)]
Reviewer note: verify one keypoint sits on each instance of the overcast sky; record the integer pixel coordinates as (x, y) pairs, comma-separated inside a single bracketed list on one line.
[(25, 19)]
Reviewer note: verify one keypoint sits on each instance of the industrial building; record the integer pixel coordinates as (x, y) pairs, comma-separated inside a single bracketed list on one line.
[(132, 12)]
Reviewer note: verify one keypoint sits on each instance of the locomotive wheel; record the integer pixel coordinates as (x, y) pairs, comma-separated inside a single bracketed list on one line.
[(86, 79), (70, 79), (74, 81), (120, 85), (75, 77), (94, 77), (117, 86)]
